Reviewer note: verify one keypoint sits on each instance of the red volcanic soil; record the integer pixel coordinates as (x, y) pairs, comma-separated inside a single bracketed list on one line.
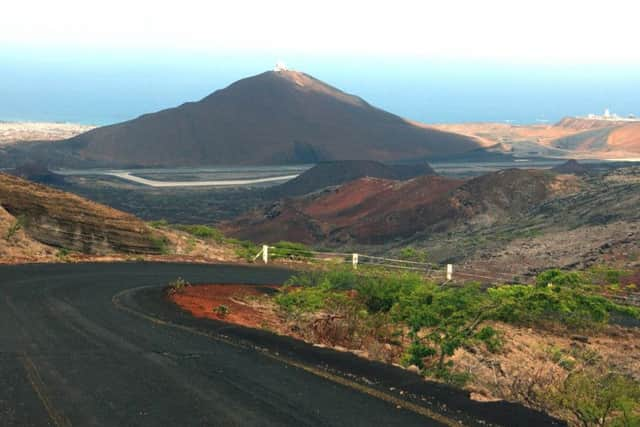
[(373, 210), (341, 213), (202, 301), (369, 198), (349, 202)]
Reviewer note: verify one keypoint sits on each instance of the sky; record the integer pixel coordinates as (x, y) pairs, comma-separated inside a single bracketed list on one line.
[(101, 62)]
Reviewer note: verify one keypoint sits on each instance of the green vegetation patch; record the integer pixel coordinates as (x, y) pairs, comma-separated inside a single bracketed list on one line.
[(441, 319), (204, 232), (290, 250)]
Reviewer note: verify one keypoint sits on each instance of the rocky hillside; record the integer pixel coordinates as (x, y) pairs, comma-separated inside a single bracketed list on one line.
[(328, 174), (272, 118), (571, 167), (375, 211), (35, 213)]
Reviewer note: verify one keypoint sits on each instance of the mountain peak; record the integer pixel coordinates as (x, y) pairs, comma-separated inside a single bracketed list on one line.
[(278, 116)]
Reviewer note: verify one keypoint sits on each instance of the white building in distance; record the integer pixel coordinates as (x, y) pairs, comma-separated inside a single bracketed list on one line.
[(612, 117), (280, 66)]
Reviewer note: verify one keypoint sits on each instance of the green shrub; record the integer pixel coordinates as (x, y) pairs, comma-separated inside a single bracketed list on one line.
[(177, 286), (594, 397), (416, 353), (161, 244), (491, 338), (305, 300), (443, 318), (203, 232), (222, 310), (380, 292), (574, 307), (341, 278), (63, 254), (556, 277), (17, 225), (290, 250), (377, 290), (413, 254), (244, 249)]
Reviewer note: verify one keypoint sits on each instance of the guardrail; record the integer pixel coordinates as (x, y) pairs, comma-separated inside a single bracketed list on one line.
[(357, 259), (445, 273)]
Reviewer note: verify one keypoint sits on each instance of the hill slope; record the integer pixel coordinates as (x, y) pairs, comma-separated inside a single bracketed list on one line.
[(327, 174), (42, 224), (600, 137), (373, 210), (272, 118), (64, 220)]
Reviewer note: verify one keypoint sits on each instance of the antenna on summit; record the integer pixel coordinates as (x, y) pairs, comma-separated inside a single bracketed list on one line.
[(280, 66)]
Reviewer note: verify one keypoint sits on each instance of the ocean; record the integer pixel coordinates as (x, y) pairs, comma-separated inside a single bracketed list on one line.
[(107, 87)]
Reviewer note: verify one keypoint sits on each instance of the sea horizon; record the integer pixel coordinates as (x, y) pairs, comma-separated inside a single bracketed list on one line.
[(105, 88)]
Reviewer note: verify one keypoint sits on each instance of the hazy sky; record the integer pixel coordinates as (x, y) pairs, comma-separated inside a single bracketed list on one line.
[(432, 61), (554, 30)]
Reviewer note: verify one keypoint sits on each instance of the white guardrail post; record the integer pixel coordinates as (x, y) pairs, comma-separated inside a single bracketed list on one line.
[(449, 271), (265, 253), (354, 261)]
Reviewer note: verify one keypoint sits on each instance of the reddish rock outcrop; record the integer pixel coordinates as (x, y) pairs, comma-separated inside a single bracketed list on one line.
[(373, 210), (60, 219)]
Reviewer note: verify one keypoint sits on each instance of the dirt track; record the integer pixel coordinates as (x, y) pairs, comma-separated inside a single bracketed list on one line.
[(96, 344)]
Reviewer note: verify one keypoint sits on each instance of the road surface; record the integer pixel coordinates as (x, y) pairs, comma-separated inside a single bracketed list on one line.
[(216, 183), (95, 344)]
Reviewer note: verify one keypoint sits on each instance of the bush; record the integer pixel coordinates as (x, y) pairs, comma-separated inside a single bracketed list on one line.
[(491, 338), (337, 279), (177, 286), (298, 300), (574, 307), (244, 249), (598, 398), (222, 311), (63, 254), (412, 254), (556, 277), (290, 250), (416, 353), (16, 226), (377, 290), (203, 232), (380, 292), (443, 318), (161, 244)]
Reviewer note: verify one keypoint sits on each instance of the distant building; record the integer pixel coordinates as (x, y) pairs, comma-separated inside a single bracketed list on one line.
[(280, 66), (609, 116)]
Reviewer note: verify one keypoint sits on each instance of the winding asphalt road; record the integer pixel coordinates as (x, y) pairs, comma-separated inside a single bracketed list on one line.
[(95, 344)]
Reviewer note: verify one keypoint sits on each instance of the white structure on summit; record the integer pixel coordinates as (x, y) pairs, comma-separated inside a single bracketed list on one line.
[(280, 66), (613, 117)]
